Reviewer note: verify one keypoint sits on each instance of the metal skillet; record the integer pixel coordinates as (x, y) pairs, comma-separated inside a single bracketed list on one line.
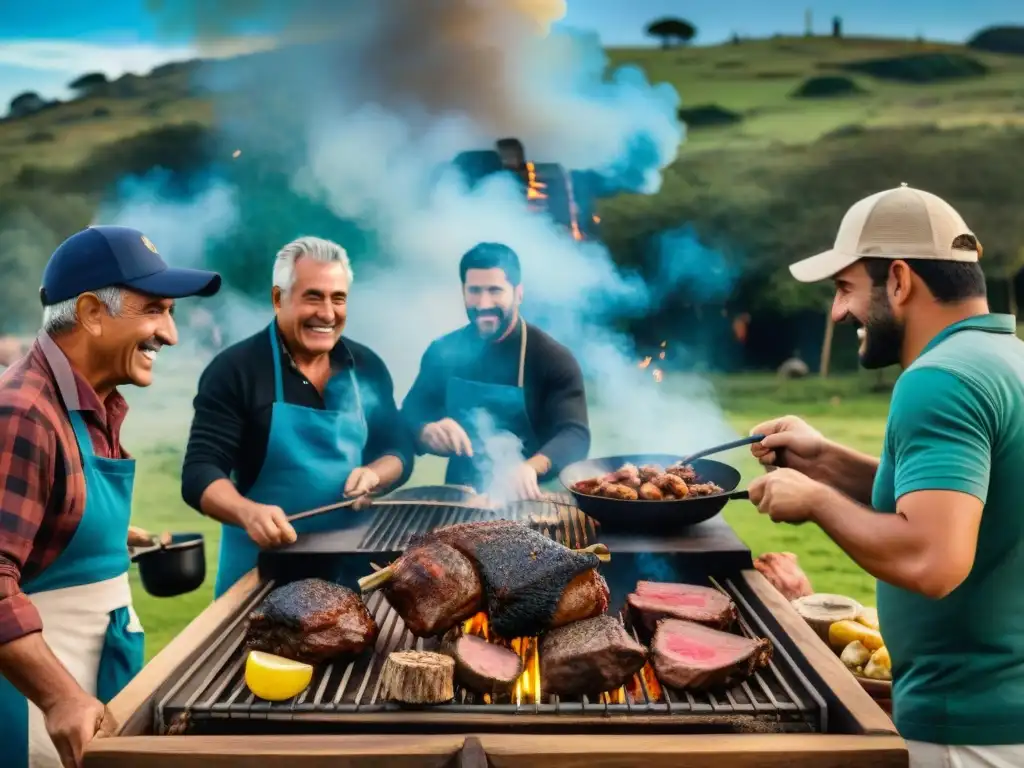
[(646, 516)]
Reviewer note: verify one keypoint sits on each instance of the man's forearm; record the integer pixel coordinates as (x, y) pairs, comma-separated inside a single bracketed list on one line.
[(34, 670), (388, 468), (222, 501), (884, 545), (846, 470)]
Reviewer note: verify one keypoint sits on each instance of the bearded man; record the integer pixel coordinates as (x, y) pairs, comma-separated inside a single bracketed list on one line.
[(937, 520)]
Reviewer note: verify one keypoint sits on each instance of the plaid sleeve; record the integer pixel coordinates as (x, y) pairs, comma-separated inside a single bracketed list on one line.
[(27, 450)]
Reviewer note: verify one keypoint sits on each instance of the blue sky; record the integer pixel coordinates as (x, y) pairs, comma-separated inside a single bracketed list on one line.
[(46, 43)]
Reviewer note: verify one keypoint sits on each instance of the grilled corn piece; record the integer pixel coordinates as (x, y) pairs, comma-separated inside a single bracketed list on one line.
[(842, 633), (855, 655), (869, 618)]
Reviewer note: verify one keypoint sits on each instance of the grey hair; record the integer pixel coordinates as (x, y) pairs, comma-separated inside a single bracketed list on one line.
[(314, 248), (62, 316)]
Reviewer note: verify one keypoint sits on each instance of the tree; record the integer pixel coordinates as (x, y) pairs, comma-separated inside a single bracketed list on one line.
[(88, 82), (26, 103), (671, 29)]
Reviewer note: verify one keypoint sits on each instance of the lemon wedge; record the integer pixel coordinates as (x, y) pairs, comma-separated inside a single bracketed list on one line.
[(274, 678)]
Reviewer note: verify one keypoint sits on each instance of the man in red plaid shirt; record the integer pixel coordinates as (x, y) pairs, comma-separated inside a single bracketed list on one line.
[(69, 639)]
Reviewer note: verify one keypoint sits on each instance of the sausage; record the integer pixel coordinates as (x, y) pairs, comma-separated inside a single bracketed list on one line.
[(617, 491), (672, 484), (588, 486), (684, 472), (585, 596), (650, 492), (650, 471)]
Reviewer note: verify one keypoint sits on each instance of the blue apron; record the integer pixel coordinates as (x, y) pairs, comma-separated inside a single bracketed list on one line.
[(310, 454), (84, 600), (505, 409)]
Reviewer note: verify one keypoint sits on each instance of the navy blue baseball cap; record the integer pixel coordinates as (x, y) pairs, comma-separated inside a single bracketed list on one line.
[(103, 256)]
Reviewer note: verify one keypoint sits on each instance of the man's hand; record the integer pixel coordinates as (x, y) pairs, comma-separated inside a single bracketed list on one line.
[(72, 722), (522, 482), (787, 496), (139, 537), (445, 437), (802, 444), (362, 481), (268, 526)]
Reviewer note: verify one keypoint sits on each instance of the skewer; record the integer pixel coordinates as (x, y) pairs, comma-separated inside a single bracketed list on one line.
[(380, 577)]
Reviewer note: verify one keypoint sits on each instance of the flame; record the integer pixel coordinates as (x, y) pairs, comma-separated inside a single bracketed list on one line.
[(596, 218), (648, 679), (658, 375), (645, 362), (534, 187)]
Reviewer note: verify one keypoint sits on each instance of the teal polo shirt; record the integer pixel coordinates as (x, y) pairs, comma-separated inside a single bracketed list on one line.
[(956, 423)]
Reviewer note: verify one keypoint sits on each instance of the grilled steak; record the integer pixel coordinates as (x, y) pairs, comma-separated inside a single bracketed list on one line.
[(689, 655), (531, 583), (482, 666), (311, 620), (589, 657), (654, 600), (433, 588)]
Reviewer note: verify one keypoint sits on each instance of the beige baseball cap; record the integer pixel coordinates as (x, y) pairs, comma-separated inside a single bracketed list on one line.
[(901, 223)]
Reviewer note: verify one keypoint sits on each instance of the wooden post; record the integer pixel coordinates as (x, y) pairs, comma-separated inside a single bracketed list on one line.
[(826, 347)]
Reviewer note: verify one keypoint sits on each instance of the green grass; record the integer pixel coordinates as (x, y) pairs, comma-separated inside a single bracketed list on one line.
[(843, 408)]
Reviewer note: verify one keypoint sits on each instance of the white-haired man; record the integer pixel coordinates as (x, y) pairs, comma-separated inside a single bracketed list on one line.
[(292, 418), (69, 640)]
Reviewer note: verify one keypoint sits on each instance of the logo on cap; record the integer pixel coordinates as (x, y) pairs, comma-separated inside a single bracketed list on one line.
[(149, 244)]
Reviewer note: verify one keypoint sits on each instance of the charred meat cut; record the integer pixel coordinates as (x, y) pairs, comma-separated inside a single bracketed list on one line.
[(589, 657), (311, 620), (433, 587), (654, 600), (531, 583), (482, 666), (691, 656)]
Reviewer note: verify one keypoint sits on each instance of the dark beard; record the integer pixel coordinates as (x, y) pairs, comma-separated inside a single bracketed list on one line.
[(504, 321), (883, 335)]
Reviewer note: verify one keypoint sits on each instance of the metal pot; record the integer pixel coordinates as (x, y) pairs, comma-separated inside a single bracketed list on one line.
[(173, 568)]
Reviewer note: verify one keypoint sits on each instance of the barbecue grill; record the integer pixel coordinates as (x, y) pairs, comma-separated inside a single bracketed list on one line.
[(192, 703)]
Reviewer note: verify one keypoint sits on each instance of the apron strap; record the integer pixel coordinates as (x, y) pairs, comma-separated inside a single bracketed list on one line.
[(82, 435), (276, 348), (522, 353)]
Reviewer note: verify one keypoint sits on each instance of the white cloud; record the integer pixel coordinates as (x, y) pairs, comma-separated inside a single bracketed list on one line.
[(39, 64)]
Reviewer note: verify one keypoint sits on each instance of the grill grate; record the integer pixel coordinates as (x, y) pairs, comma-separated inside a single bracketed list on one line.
[(213, 697), (396, 524)]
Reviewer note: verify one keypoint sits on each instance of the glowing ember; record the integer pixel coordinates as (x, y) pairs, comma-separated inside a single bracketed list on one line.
[(596, 218), (237, 153), (661, 355), (645, 362), (658, 375), (534, 187)]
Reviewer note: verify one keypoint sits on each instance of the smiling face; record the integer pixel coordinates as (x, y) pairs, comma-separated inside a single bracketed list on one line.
[(492, 303), (312, 313), (128, 342), (880, 331)]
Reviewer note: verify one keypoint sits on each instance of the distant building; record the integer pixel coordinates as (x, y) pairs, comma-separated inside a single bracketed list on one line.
[(837, 27)]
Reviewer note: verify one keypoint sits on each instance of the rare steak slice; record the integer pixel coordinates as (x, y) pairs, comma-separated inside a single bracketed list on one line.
[(655, 600), (691, 656), (482, 666), (311, 620), (589, 657)]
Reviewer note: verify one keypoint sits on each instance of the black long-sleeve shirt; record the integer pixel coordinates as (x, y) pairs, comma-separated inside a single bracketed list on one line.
[(553, 386), (234, 402)]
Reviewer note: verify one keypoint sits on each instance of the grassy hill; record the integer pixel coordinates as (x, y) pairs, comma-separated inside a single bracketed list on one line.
[(782, 135)]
